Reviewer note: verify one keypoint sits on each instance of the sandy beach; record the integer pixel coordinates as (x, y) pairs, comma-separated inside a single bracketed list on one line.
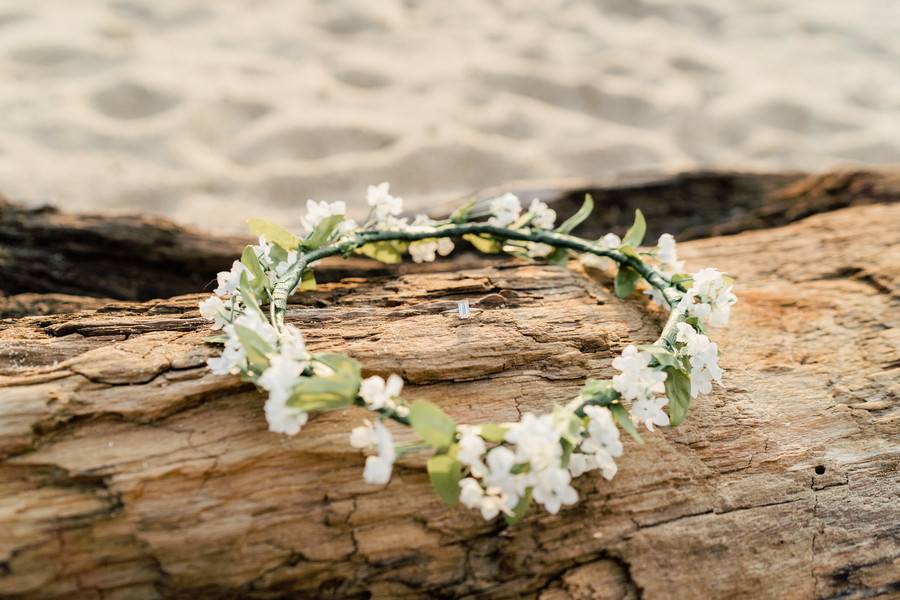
[(211, 113)]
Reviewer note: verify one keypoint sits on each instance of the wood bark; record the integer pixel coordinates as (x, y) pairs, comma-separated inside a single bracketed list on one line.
[(128, 470)]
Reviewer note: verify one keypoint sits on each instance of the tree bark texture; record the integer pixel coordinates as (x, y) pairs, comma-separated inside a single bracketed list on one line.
[(127, 470)]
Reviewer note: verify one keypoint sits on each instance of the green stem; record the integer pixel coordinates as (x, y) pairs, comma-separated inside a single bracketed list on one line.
[(294, 274)]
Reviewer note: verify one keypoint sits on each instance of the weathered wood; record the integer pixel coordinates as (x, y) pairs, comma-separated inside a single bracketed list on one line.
[(141, 258), (128, 470)]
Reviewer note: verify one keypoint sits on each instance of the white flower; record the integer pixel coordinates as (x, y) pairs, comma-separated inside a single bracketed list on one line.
[(536, 440), (601, 446), (503, 487), (229, 281), (378, 468), (280, 377), (383, 204), (253, 321), (282, 267), (637, 381), (579, 464), (426, 250), (291, 345), (657, 297), (649, 411), (471, 449), (610, 241), (709, 298), (538, 250), (704, 359), (582, 463), (543, 216), (505, 210), (283, 418), (262, 251), (232, 359), (500, 480), (470, 493), (214, 309), (377, 393), (551, 488), (602, 432), (363, 437), (667, 255), (316, 212)]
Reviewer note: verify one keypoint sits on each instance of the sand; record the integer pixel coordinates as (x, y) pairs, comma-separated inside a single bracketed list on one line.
[(213, 112)]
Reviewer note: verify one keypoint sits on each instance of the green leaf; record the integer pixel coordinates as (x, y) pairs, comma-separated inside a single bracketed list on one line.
[(626, 280), (598, 390), (322, 233), (635, 234), (679, 278), (559, 257), (620, 414), (308, 281), (483, 243), (629, 251), (445, 471), (461, 214), (520, 510), (663, 357), (249, 294), (386, 252), (251, 261), (678, 390), (255, 347), (328, 392), (493, 432), (215, 339), (578, 218), (432, 424), (275, 234), (696, 323)]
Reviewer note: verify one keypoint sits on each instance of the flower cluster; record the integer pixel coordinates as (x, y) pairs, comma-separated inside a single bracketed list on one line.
[(703, 356), (497, 469), (709, 298), (643, 385)]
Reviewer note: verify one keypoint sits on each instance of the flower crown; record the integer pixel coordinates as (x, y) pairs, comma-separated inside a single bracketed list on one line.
[(498, 468)]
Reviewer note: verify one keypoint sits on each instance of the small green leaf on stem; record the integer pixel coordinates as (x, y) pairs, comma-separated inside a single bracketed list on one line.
[(493, 432), (578, 218), (255, 347), (520, 510), (328, 392), (432, 424), (251, 261), (307, 281), (620, 414), (483, 243), (389, 252), (445, 471), (635, 234), (323, 232), (275, 234), (678, 390), (626, 280)]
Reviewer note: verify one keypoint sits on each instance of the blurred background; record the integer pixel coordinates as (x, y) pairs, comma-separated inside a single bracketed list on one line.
[(214, 112)]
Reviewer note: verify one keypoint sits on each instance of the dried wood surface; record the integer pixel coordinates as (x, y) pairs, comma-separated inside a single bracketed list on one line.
[(127, 470)]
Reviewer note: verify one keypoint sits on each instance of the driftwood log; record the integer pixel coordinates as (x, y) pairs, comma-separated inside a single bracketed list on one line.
[(129, 471)]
